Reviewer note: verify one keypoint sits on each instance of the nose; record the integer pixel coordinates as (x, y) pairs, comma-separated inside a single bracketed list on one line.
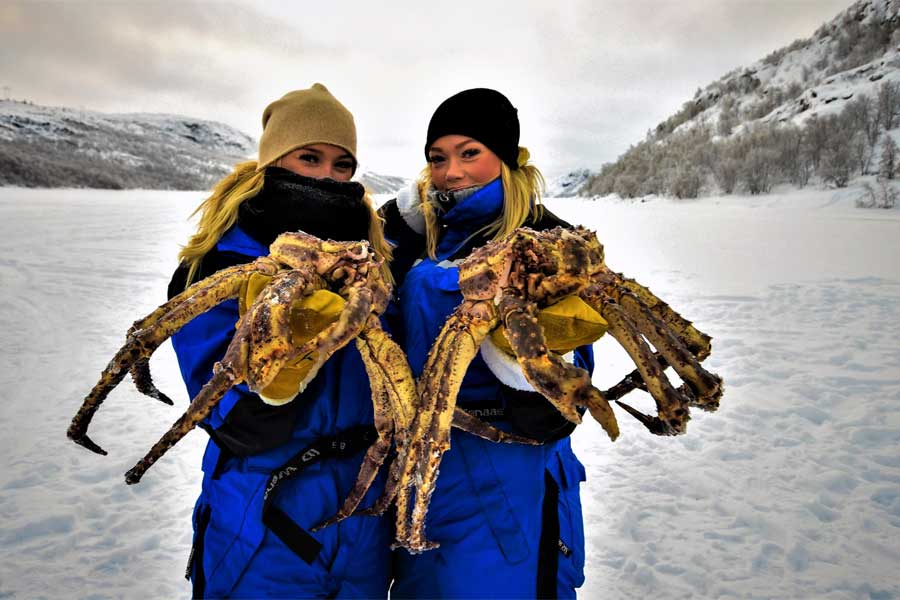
[(454, 169)]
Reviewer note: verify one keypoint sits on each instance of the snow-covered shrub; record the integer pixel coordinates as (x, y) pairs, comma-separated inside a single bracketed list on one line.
[(890, 153), (687, 182), (882, 195), (837, 165), (758, 169)]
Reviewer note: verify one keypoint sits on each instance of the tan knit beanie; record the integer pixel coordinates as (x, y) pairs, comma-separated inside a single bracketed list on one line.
[(305, 117)]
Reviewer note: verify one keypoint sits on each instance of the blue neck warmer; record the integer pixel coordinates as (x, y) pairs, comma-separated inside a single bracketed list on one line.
[(460, 222)]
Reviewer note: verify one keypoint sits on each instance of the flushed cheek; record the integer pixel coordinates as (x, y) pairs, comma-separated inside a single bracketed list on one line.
[(485, 173)]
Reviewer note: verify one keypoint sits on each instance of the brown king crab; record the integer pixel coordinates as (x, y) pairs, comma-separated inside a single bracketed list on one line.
[(505, 283), (298, 264)]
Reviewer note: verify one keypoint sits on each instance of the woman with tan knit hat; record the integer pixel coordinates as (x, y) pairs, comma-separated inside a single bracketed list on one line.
[(266, 480)]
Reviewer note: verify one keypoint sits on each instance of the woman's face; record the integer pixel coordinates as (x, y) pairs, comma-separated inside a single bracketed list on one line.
[(319, 161), (458, 162)]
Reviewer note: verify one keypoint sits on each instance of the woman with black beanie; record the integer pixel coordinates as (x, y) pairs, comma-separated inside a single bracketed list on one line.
[(507, 516)]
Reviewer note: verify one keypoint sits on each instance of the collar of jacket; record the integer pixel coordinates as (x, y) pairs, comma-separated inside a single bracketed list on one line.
[(464, 219), (324, 208)]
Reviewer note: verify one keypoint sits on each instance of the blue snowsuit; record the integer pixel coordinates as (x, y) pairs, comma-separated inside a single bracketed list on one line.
[(507, 516), (245, 546)]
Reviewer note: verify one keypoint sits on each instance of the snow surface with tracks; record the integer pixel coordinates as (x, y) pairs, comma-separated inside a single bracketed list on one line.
[(790, 490)]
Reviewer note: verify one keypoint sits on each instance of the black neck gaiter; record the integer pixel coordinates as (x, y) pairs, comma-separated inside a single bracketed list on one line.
[(324, 208)]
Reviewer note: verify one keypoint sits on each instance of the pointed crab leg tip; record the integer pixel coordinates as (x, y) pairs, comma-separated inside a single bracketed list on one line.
[(86, 442), (572, 416), (165, 399), (132, 477), (325, 524)]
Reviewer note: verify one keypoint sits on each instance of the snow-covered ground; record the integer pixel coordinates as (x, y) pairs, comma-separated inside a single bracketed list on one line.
[(791, 490)]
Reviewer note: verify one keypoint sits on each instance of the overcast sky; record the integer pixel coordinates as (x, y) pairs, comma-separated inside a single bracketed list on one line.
[(589, 77)]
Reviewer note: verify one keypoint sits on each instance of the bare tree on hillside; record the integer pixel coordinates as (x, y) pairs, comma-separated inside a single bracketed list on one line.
[(759, 169), (837, 164), (888, 103), (887, 166)]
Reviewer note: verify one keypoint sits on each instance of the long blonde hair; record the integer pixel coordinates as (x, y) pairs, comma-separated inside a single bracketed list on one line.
[(219, 212), (522, 191)]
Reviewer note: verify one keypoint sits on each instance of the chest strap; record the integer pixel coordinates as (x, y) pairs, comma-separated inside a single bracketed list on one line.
[(345, 443)]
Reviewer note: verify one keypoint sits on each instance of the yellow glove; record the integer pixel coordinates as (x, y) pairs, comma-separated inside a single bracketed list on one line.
[(568, 324), (309, 316)]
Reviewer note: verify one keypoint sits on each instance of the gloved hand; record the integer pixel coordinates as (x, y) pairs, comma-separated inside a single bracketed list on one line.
[(568, 324), (309, 316)]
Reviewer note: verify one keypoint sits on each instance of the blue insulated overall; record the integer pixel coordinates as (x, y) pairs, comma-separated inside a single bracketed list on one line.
[(493, 503)]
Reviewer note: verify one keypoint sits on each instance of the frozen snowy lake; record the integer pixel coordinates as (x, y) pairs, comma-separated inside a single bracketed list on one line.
[(791, 490)]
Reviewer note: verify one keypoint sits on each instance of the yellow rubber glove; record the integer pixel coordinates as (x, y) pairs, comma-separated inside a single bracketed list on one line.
[(568, 324), (309, 316)]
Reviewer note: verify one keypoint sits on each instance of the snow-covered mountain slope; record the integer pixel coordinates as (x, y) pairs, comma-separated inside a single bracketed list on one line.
[(42, 146), (380, 184), (851, 55), (819, 110), (572, 183)]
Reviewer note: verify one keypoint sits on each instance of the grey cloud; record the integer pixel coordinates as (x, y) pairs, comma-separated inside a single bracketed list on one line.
[(589, 76), (82, 52)]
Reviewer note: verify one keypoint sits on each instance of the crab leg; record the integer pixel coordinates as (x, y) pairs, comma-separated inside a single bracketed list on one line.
[(466, 329), (400, 474), (472, 424), (696, 341), (461, 420), (393, 395), (671, 405), (406, 469), (706, 387), (226, 374), (409, 469), (140, 371), (142, 342), (143, 381), (564, 385), (403, 477)]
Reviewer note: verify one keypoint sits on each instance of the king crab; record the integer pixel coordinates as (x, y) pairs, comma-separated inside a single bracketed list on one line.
[(505, 283)]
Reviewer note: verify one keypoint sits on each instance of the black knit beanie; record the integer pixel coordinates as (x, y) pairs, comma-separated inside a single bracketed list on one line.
[(481, 114)]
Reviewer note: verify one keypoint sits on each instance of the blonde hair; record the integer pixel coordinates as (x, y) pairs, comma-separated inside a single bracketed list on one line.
[(522, 191), (219, 212)]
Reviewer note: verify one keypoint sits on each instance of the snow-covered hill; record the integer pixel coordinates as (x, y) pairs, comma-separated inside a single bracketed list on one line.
[(847, 57), (380, 184), (42, 146), (817, 110), (572, 183)]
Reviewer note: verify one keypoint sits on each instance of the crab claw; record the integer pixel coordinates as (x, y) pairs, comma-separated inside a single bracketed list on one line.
[(140, 373), (655, 425), (83, 440)]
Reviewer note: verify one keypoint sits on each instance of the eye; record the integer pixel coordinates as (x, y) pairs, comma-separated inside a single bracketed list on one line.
[(309, 158), (436, 159), (471, 152), (344, 165)]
